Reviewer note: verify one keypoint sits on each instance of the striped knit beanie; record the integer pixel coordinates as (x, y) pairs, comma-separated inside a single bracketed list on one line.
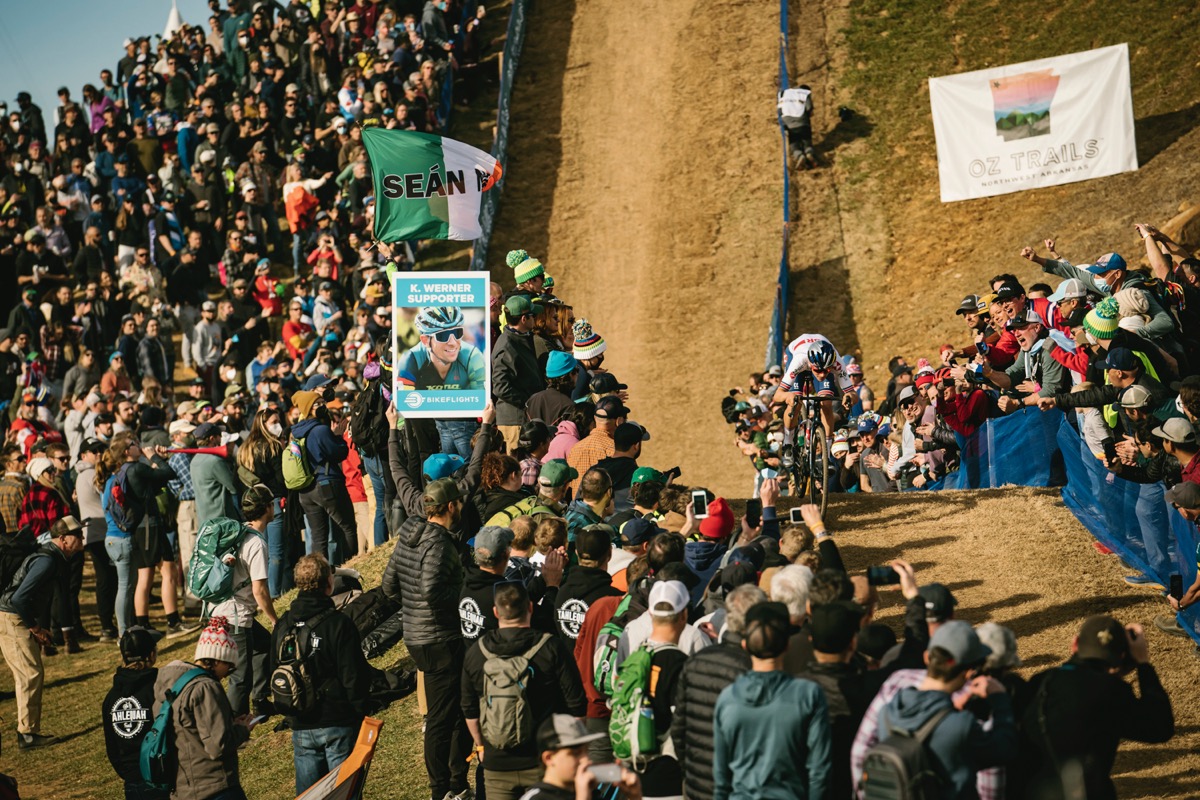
[(524, 268), (216, 642), (588, 343), (1101, 321)]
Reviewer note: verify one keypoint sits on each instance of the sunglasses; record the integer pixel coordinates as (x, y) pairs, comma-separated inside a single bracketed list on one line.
[(444, 336)]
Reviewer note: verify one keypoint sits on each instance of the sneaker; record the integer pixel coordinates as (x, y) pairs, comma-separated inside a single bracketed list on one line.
[(465, 794), (1169, 624), (109, 636), (28, 741), (1144, 582), (181, 628), (1101, 549)]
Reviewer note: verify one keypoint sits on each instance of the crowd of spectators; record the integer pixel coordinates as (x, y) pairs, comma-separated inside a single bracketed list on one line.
[(567, 605)]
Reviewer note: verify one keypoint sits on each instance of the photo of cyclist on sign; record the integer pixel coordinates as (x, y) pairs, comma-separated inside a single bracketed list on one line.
[(446, 372), (442, 360)]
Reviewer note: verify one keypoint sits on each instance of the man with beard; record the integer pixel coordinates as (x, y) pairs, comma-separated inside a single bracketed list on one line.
[(425, 575)]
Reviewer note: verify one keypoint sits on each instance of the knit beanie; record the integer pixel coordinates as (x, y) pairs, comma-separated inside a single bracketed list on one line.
[(524, 268), (216, 643), (719, 522), (1101, 321), (588, 343), (1132, 302)]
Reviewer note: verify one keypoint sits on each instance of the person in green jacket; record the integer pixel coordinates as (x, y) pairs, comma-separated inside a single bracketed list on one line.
[(217, 490), (772, 735)]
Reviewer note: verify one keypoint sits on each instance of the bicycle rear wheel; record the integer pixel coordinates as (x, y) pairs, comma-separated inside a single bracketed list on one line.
[(817, 466)]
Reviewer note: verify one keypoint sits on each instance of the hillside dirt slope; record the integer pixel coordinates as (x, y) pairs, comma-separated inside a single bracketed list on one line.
[(645, 172)]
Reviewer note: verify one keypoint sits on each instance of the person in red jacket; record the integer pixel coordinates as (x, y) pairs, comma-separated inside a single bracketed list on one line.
[(964, 406), (266, 292), (42, 505), (364, 515)]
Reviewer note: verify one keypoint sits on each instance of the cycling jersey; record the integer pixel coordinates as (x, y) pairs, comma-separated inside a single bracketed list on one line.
[(416, 371), (798, 367)]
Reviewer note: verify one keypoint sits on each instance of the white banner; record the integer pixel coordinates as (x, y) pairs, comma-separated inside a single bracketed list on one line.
[(1040, 123)]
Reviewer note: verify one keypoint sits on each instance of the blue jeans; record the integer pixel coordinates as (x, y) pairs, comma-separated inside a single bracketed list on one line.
[(297, 249), (374, 467), (279, 577), (319, 751), (456, 436), (120, 552)]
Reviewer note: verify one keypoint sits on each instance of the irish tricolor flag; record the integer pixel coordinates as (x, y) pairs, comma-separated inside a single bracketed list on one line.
[(426, 186)]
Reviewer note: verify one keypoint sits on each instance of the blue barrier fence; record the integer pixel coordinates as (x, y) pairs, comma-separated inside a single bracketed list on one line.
[(778, 328), (515, 41), (1133, 520)]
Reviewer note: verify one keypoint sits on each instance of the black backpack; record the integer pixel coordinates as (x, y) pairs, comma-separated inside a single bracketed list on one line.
[(294, 687), (368, 423), (901, 768), (14, 549)]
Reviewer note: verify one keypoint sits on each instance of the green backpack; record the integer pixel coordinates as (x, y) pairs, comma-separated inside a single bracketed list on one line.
[(209, 578), (631, 729), (505, 718), (605, 657), (527, 507), (297, 469)]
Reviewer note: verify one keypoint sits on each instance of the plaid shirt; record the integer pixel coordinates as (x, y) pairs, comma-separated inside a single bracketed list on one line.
[(41, 508), (588, 452), (182, 487), (529, 471), (989, 783), (13, 487)]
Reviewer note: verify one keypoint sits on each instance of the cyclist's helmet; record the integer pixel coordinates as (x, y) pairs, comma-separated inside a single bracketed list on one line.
[(854, 369), (433, 319), (821, 356)]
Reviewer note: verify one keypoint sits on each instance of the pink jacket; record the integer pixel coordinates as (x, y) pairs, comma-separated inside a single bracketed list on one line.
[(563, 441)]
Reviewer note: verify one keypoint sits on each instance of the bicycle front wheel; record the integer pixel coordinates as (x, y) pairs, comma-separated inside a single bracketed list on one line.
[(818, 469)]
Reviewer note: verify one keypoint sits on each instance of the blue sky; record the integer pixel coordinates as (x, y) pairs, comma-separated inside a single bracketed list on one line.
[(45, 44)]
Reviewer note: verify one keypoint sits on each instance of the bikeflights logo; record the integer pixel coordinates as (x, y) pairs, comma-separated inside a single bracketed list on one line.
[(1021, 104), (413, 399)]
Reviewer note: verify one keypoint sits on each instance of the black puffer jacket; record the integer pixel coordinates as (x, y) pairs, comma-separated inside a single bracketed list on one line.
[(703, 677), (425, 576)]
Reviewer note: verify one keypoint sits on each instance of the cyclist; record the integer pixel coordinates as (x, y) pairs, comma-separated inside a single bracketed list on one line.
[(442, 360), (814, 356)]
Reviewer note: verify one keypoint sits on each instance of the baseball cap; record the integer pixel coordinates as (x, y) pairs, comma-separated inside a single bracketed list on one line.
[(594, 542), (1030, 317), (834, 625), (208, 305), (1103, 638), (442, 465), (1070, 289), (606, 383), (181, 426), (1185, 494), (442, 491), (491, 539), (775, 371), (647, 475), (316, 382), (207, 429), (1176, 430), (519, 305), (867, 426), (667, 598), (939, 602), (907, 393), (628, 434), (533, 433), (1121, 358), (67, 526), (557, 472), (639, 530), (1009, 290), (1136, 396), (560, 731), (560, 363), (959, 639), (1003, 644), (767, 630), (185, 408), (1105, 263), (970, 305), (611, 408)]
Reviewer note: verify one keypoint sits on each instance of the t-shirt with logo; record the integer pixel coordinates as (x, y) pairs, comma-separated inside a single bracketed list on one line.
[(475, 604), (580, 588)]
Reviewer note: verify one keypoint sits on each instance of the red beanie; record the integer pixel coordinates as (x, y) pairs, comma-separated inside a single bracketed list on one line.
[(719, 522)]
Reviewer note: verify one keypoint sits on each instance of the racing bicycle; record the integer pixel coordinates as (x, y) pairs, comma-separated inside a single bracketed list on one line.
[(809, 466)]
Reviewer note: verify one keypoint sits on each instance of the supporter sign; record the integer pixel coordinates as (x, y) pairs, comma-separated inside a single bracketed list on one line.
[(441, 343), (1039, 123), (426, 186)]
